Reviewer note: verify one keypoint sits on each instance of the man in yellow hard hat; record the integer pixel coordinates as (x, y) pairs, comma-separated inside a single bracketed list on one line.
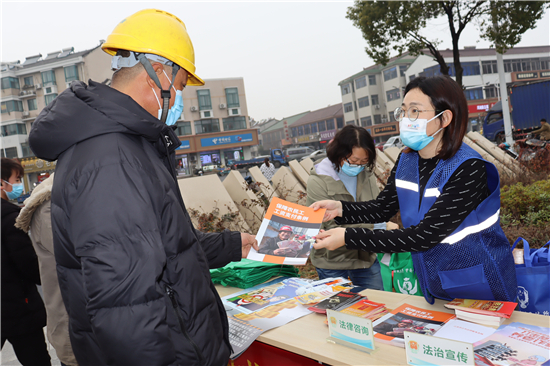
[(132, 269)]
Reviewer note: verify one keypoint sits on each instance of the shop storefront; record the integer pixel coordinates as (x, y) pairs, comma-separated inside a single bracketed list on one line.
[(476, 114), (325, 138), (308, 140), (384, 131), (36, 171)]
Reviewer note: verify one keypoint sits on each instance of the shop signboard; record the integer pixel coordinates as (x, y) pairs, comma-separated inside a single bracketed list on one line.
[(328, 135), (185, 144), (477, 108), (306, 138), (224, 140), (385, 129)]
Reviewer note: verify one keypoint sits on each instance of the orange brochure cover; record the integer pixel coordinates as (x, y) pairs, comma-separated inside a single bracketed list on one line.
[(363, 308), (286, 234)]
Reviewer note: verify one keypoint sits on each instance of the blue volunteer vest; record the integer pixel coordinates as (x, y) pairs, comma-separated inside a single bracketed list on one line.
[(475, 260)]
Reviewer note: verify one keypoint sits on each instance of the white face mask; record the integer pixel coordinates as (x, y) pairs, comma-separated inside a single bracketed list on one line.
[(175, 112), (413, 133)]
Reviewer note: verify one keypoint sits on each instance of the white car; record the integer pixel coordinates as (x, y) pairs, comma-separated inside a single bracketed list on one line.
[(316, 155), (393, 141)]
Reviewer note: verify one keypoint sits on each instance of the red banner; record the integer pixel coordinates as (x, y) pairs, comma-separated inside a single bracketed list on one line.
[(261, 354), (477, 108)]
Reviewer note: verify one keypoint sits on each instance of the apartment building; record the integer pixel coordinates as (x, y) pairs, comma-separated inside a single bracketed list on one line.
[(370, 96), (318, 127), (214, 126), (277, 135), (29, 86)]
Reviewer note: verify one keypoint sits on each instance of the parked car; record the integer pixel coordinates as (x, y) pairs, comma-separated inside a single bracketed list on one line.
[(394, 141), (297, 152), (316, 155), (276, 157)]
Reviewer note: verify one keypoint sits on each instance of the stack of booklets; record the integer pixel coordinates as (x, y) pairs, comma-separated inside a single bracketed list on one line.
[(391, 327), (365, 308), (485, 312), (336, 302)]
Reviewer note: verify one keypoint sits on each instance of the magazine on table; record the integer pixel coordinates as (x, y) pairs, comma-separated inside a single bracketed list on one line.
[(336, 302), (514, 344), (286, 233), (407, 318)]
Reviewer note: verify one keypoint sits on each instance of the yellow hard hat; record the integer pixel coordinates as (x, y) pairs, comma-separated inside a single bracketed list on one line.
[(155, 32)]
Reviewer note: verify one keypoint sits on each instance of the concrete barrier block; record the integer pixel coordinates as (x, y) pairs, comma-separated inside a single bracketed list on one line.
[(206, 194), (384, 160), (288, 187), (307, 164), (502, 169), (247, 202), (299, 172), (392, 153), (495, 151), (266, 187)]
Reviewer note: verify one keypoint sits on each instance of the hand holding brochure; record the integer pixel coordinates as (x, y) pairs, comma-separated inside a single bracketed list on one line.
[(286, 234)]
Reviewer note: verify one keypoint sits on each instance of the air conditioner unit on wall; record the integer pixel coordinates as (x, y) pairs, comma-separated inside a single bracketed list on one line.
[(207, 114), (377, 106), (193, 109), (234, 111), (222, 106), (26, 114), (50, 89), (38, 86)]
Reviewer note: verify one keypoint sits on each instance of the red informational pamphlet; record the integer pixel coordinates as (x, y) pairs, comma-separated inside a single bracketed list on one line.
[(363, 308), (503, 309)]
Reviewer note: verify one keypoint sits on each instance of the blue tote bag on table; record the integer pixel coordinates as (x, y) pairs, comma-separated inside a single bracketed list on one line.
[(534, 280)]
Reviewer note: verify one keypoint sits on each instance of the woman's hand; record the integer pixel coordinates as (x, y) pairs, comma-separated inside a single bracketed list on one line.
[(333, 208), (330, 239), (391, 226)]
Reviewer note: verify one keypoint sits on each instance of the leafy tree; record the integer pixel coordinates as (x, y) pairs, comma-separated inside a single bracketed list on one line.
[(397, 25)]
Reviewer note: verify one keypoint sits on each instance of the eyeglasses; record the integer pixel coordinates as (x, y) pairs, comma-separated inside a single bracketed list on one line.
[(356, 165), (412, 113)]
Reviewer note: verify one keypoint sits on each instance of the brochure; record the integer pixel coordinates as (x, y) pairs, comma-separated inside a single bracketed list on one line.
[(514, 344), (335, 302), (407, 318), (286, 233), (363, 308), (459, 330), (502, 309)]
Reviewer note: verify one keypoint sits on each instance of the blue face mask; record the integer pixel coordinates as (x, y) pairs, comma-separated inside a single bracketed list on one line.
[(175, 112), (352, 171), (413, 133), (16, 190)]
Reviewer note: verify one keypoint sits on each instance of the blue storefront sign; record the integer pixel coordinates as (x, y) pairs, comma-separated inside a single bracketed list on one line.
[(224, 140), (184, 145)]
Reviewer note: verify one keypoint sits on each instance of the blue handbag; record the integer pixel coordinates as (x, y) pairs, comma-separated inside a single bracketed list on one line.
[(533, 279)]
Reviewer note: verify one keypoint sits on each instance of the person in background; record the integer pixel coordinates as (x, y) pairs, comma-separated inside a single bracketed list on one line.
[(132, 269), (543, 131), (267, 169), (23, 313), (35, 217), (448, 197), (271, 246), (346, 175)]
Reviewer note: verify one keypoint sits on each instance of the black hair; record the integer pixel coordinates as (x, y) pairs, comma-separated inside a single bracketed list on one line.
[(345, 140), (543, 119), (266, 161), (9, 166)]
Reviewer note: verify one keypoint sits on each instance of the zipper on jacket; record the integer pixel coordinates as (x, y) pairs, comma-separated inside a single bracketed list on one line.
[(171, 294)]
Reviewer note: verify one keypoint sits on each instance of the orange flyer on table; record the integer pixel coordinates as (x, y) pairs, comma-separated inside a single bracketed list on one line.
[(286, 234), (504, 309)]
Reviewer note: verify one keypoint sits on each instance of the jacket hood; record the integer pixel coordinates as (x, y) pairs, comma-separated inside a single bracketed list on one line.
[(41, 194), (84, 111), (326, 168)]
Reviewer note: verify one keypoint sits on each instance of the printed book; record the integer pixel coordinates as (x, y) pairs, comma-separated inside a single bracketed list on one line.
[(363, 308), (502, 309), (514, 344), (459, 330), (494, 321), (336, 302), (407, 318), (286, 233)]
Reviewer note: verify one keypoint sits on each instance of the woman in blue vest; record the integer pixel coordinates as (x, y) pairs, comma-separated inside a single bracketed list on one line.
[(448, 197)]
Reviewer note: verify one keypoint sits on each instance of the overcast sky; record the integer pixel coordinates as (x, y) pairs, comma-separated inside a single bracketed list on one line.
[(291, 54)]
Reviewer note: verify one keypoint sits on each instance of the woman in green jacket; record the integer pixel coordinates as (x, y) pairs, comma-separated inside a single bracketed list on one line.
[(346, 174)]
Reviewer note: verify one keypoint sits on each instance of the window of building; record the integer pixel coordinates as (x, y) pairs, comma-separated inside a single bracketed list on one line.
[(348, 107), (469, 68), (49, 98), (366, 121), (330, 124), (48, 77), (9, 152), (207, 125), (12, 106), (232, 96), (489, 67), (183, 128), (402, 69), (14, 129), (339, 122), (473, 94), (352, 122), (293, 131), (300, 130), (363, 102), (372, 79), (31, 103), (392, 95), (322, 126), (26, 150), (391, 117), (346, 89), (10, 83), (205, 102), (307, 129), (490, 92), (71, 73), (314, 127), (361, 82), (234, 123), (411, 78), (28, 81), (377, 119), (374, 99), (390, 73)]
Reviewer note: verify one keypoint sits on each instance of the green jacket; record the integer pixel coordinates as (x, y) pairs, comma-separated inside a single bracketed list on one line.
[(324, 184)]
